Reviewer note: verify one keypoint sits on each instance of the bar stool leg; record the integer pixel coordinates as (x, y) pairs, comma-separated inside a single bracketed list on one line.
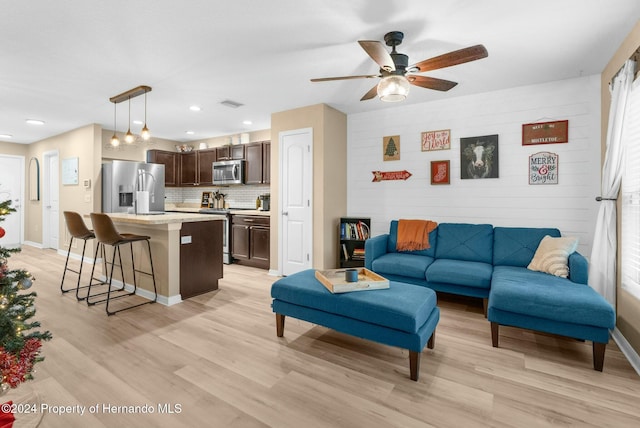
[(153, 273), (66, 263)]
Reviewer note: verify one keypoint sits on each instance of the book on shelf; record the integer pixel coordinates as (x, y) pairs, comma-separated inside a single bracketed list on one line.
[(354, 230), (345, 252), (358, 254)]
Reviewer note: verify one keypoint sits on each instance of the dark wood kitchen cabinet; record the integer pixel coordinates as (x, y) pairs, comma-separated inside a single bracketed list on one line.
[(200, 257), (171, 162), (235, 152), (195, 168), (250, 240), (189, 169), (205, 160), (258, 156)]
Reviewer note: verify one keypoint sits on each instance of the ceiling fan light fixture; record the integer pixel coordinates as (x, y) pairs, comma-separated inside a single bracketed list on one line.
[(393, 88)]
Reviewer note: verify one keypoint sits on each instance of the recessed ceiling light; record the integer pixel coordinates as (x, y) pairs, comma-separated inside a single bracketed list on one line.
[(190, 132), (195, 108), (247, 122), (35, 122), (6, 136)]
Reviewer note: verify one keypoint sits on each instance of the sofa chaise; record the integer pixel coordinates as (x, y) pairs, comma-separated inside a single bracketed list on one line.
[(479, 260)]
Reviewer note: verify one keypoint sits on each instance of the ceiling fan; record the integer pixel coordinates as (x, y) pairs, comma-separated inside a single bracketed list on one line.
[(397, 75)]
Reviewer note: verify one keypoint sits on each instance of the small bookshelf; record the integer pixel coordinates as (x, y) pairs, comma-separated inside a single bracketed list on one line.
[(353, 232)]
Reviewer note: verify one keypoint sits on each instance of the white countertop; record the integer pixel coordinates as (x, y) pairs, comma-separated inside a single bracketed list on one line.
[(166, 218)]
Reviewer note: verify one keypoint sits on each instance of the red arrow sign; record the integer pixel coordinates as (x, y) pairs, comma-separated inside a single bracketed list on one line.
[(390, 175)]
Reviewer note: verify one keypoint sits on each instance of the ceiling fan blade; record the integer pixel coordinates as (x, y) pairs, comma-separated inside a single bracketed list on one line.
[(452, 58), (362, 76), (371, 94), (431, 82), (378, 53)]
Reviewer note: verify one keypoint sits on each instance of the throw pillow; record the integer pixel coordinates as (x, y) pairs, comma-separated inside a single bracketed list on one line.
[(552, 255)]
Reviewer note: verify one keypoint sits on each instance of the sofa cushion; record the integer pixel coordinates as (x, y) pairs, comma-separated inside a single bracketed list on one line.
[(469, 242), (515, 246), (393, 241), (459, 272), (522, 291), (552, 256), (402, 264), (404, 307)]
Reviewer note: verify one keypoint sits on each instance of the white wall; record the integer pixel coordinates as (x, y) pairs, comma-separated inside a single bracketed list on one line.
[(505, 201)]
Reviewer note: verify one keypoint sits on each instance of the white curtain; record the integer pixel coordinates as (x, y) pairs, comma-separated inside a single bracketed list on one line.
[(602, 266)]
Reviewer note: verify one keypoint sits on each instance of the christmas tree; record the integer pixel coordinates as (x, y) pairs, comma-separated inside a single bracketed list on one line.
[(19, 342)]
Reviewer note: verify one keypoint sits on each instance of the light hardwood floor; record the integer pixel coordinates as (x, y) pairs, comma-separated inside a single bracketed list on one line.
[(215, 361)]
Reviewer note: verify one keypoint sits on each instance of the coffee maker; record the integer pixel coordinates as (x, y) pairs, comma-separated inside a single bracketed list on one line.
[(265, 202)]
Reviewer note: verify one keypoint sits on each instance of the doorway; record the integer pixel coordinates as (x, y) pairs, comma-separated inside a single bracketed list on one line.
[(296, 186), (50, 201), (12, 189)]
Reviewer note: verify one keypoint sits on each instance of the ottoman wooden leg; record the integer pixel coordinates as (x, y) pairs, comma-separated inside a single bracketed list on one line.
[(414, 364), (432, 340), (280, 325), (494, 334)]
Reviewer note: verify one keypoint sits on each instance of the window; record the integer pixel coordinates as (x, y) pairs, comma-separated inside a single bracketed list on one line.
[(630, 245)]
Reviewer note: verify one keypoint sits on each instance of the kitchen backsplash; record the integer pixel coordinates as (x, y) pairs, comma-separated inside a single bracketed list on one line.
[(236, 196)]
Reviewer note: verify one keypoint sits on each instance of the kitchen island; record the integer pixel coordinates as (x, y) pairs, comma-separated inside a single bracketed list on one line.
[(186, 249)]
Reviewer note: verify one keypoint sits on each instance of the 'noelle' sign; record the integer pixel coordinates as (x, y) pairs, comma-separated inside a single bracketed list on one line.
[(543, 168)]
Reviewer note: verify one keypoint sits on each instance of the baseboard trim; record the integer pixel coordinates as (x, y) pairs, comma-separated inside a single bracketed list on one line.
[(33, 244), (627, 349), (163, 300), (274, 272)]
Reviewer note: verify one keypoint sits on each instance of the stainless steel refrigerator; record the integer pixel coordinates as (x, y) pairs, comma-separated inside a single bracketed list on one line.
[(134, 187)]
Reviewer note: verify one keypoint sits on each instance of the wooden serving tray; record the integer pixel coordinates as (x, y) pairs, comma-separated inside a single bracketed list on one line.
[(334, 280)]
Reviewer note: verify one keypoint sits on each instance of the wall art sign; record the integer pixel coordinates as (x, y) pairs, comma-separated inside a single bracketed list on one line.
[(436, 140), (390, 175), (545, 132), (543, 168), (391, 148), (440, 172), (479, 157)]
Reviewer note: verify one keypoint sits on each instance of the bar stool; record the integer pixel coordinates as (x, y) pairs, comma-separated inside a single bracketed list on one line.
[(107, 234), (78, 230)]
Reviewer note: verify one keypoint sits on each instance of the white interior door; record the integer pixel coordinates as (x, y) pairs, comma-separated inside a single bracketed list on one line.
[(12, 188), (296, 228), (51, 201)]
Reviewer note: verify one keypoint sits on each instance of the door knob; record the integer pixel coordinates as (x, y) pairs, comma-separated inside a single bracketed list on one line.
[(285, 213)]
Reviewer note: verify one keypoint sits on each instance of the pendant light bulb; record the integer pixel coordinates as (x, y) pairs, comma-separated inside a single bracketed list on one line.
[(114, 140), (145, 134), (128, 137)]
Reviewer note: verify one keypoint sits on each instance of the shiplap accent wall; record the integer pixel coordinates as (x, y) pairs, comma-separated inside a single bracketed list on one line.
[(505, 201)]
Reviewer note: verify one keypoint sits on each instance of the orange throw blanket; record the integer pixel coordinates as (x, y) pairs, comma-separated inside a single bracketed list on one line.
[(414, 234)]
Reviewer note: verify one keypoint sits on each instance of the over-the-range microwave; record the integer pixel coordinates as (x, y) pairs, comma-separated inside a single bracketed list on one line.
[(228, 172)]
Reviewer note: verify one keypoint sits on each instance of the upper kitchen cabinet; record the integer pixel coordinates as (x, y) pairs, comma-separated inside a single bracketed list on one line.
[(189, 169), (206, 158), (258, 156), (230, 152), (171, 162), (195, 167)]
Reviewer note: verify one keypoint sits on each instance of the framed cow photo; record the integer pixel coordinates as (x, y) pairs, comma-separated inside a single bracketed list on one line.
[(479, 157)]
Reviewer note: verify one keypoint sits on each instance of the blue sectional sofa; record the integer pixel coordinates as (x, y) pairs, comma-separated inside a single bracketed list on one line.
[(487, 262)]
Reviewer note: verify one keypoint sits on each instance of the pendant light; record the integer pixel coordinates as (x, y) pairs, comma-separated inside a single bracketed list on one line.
[(145, 134), (114, 140), (129, 137), (126, 96)]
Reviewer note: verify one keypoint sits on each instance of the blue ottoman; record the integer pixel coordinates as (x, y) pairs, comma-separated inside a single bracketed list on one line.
[(404, 315)]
